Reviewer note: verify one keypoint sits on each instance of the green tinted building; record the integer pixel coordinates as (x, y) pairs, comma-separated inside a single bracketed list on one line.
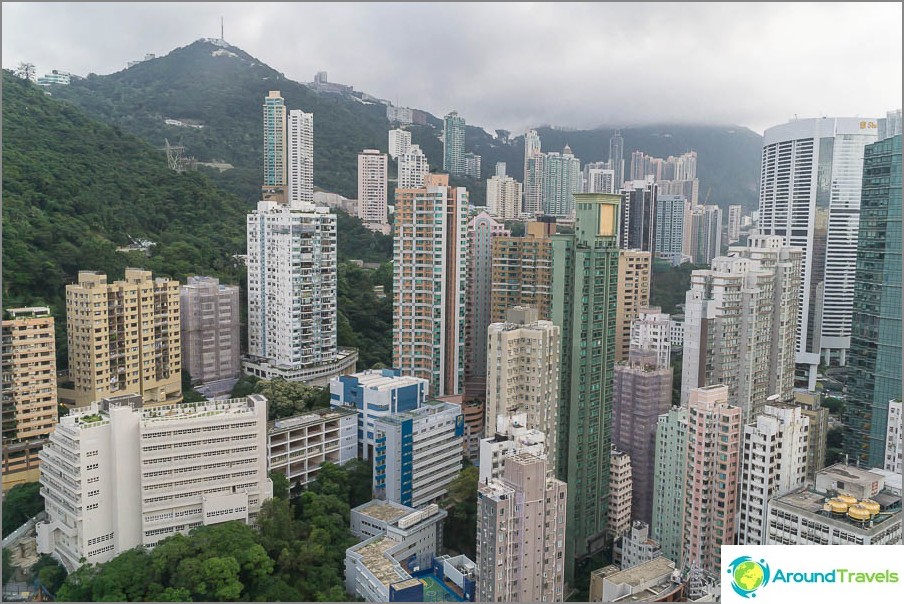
[(875, 355), (584, 284)]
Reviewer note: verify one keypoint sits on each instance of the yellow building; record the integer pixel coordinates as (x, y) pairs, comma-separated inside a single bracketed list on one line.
[(29, 391), (522, 271), (123, 338), (633, 294)]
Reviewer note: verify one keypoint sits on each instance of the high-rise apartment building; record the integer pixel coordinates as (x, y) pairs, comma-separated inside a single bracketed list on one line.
[(561, 180), (894, 439), (634, 268), (737, 325), (417, 453), (651, 332), (511, 437), (636, 547), (642, 392), (773, 463), (817, 428), (413, 167), (711, 480), (210, 330), (29, 391), (115, 476), (124, 338), (522, 365), (472, 166), (300, 157), (812, 171), (668, 242), (372, 174), (584, 284), (429, 285), (521, 523), (620, 492), (669, 482), (454, 144), (598, 178), (275, 168), (734, 223), (638, 215), (482, 230), (399, 142), (522, 270), (504, 196), (703, 233), (534, 166), (874, 377), (617, 158)]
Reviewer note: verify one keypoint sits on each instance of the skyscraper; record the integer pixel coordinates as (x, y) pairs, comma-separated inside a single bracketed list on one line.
[(300, 152), (523, 355), (504, 197), (211, 343), (430, 246), (875, 353), (413, 167), (522, 270), (399, 141), (633, 294), (598, 178), (703, 233), (734, 223), (669, 482), (124, 338), (372, 167), (637, 228), (533, 173), (454, 144), (585, 278), (275, 169), (561, 180), (617, 158), (809, 167), (669, 232), (620, 493)]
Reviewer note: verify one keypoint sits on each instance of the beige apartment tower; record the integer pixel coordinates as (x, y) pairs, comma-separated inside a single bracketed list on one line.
[(210, 329), (29, 391), (522, 270), (124, 337), (633, 294)]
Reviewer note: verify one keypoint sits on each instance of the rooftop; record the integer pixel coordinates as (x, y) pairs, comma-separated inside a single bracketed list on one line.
[(811, 501), (374, 556), (383, 511), (659, 569), (315, 417)]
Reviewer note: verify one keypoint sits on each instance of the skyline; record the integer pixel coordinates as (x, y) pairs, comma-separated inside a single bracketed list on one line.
[(514, 64)]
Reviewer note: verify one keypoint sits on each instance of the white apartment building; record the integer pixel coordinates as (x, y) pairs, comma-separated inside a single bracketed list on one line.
[(372, 175), (651, 331), (812, 173), (418, 453), (521, 534), (115, 476), (399, 142), (300, 160), (504, 197), (292, 294), (297, 446), (534, 167), (621, 488), (599, 180), (523, 374), (734, 223), (636, 547), (893, 439), (511, 438), (413, 167), (676, 331), (773, 463)]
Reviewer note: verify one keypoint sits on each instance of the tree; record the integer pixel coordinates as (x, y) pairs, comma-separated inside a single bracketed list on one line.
[(26, 71), (460, 528), (7, 566), (21, 503), (49, 572), (280, 485), (189, 394)]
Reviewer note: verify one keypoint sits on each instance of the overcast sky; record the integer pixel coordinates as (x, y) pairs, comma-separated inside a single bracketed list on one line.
[(518, 65)]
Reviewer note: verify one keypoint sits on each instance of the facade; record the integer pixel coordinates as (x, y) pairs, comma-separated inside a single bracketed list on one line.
[(617, 159), (115, 476), (737, 328), (668, 243), (297, 446), (124, 338), (847, 505), (734, 223), (29, 391), (55, 77), (454, 144), (642, 392), (300, 156), (522, 271), (472, 165), (429, 268), (417, 453), (533, 173), (504, 197), (893, 439), (522, 364), (510, 437), (413, 168), (711, 481), (210, 329), (636, 547), (676, 331), (598, 178), (620, 491), (654, 581), (703, 233), (292, 294), (399, 142), (376, 393), (521, 534), (669, 483), (810, 185), (634, 267), (651, 331), (561, 180), (372, 174), (275, 167), (401, 115), (818, 429), (774, 462), (584, 283), (482, 231), (875, 343), (637, 225)]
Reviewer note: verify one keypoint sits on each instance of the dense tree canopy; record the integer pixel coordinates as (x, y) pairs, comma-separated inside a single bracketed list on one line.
[(21, 503)]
